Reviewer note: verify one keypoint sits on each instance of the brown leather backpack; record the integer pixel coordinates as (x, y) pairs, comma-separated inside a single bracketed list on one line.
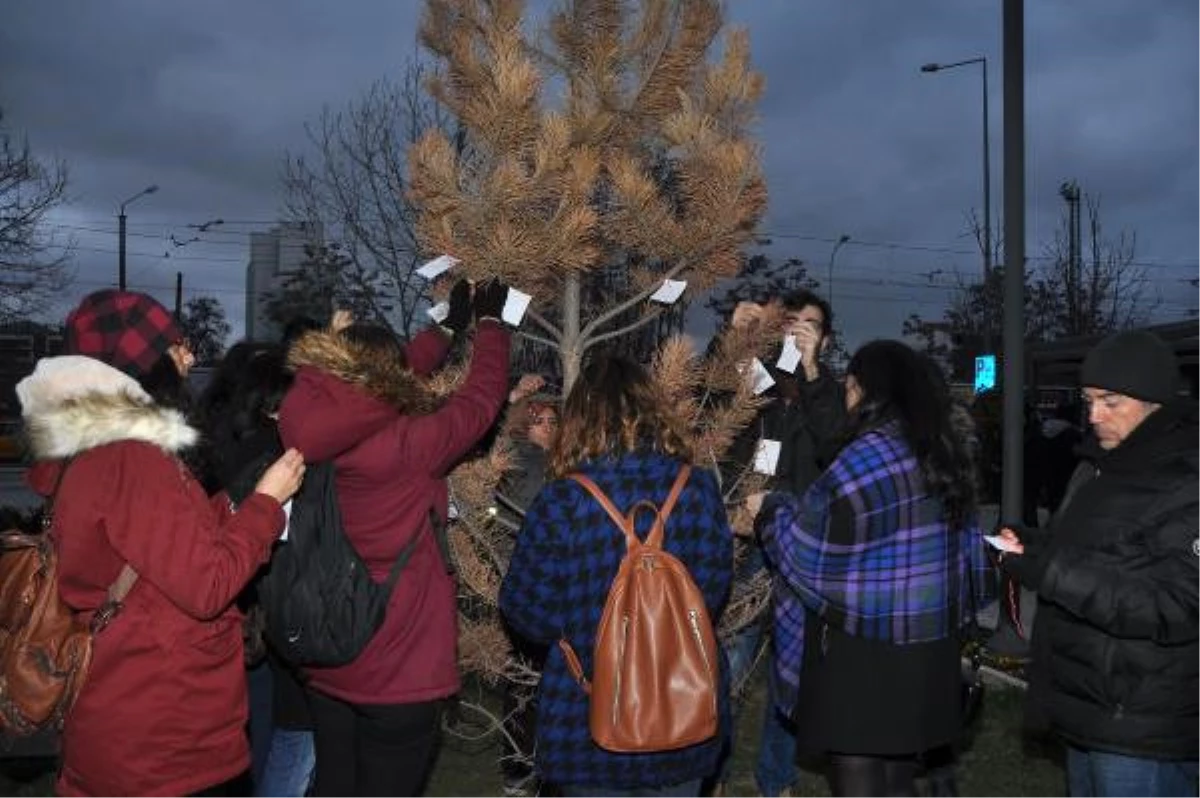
[(655, 657), (45, 648)]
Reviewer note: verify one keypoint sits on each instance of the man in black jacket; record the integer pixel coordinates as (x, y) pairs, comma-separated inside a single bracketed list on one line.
[(1114, 671), (806, 419)]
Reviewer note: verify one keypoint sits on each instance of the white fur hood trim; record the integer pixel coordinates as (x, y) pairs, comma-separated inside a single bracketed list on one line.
[(73, 403)]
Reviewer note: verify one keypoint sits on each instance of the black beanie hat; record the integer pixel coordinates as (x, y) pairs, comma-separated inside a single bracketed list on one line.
[(1133, 363)]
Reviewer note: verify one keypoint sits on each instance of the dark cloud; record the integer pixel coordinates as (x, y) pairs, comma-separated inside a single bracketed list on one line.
[(203, 99)]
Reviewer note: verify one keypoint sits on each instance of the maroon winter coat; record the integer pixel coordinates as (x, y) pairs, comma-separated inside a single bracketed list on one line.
[(163, 707), (391, 471)]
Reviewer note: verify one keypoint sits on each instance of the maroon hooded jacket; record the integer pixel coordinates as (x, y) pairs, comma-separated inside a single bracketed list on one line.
[(393, 446), (163, 708)]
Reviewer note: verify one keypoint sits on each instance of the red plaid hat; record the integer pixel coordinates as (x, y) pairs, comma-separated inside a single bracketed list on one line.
[(126, 330)]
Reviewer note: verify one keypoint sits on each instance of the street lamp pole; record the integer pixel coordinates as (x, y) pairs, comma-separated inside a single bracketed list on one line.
[(987, 160), (841, 240), (121, 234)]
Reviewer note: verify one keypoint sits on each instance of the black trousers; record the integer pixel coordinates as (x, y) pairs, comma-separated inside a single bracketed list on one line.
[(239, 785), (368, 749)]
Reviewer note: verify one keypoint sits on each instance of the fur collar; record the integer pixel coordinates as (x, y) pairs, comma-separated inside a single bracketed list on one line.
[(72, 404), (384, 378)]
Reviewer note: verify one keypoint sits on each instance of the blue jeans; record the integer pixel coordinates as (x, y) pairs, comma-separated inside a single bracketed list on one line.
[(290, 765), (584, 790), (775, 770), (1102, 773)]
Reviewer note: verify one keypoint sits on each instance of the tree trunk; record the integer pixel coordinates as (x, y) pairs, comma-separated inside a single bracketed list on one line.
[(571, 350)]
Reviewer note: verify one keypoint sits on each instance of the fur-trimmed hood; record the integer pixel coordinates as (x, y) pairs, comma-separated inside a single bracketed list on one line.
[(71, 404), (386, 379)]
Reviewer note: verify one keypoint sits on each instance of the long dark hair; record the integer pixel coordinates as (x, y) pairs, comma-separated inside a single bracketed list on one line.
[(614, 408), (166, 386), (900, 385), (245, 391)]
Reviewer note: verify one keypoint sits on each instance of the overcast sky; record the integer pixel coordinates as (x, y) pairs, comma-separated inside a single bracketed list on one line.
[(204, 98)]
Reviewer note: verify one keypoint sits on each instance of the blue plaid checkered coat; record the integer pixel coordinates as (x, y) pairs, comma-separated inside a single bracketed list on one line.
[(558, 579)]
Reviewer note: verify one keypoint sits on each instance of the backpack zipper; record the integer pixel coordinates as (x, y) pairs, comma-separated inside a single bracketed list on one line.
[(694, 620), (621, 658)]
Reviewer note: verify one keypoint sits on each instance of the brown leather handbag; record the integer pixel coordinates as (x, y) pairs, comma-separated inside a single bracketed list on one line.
[(45, 647), (654, 686)]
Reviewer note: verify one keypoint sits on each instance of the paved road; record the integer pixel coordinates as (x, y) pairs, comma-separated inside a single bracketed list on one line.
[(13, 491)]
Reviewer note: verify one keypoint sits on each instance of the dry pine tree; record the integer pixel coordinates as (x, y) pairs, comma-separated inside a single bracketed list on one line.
[(615, 137)]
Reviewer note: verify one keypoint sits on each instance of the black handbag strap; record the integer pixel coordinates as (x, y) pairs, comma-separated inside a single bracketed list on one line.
[(48, 507), (409, 548)]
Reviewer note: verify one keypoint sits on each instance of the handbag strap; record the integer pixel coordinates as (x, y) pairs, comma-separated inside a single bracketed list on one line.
[(406, 553)]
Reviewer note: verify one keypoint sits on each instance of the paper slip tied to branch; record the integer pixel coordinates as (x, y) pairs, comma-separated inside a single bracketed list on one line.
[(515, 305), (669, 292), (760, 378), (766, 456), (438, 265)]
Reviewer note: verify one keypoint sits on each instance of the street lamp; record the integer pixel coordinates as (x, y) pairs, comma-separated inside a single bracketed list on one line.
[(841, 240), (121, 235), (987, 173)]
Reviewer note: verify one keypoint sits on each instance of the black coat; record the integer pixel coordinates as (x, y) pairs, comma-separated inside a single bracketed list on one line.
[(809, 429), (1115, 640)]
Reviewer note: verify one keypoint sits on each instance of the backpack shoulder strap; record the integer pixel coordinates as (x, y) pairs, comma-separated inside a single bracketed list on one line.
[(618, 518), (655, 537)]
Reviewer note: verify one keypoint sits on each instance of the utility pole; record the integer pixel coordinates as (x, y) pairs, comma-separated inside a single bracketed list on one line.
[(178, 296), (1069, 191), (121, 234), (840, 242), (1008, 639)]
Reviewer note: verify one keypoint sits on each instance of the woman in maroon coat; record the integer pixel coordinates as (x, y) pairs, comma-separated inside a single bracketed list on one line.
[(360, 401), (163, 707)]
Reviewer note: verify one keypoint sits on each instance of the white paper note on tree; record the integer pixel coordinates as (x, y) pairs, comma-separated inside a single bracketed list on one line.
[(669, 292), (437, 266), (766, 456)]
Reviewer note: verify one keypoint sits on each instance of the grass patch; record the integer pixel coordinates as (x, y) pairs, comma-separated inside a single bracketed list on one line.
[(999, 761)]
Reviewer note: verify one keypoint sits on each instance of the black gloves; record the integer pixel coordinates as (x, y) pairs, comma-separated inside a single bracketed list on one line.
[(459, 315), (489, 300)]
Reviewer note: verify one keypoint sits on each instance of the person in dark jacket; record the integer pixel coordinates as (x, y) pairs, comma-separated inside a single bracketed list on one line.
[(806, 416), (1115, 650), (619, 431), (163, 708), (239, 412), (532, 425), (361, 401)]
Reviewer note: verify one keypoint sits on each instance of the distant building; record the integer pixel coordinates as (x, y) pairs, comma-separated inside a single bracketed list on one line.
[(22, 343), (274, 256)]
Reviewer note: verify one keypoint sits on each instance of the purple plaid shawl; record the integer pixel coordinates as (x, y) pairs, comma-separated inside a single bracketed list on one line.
[(896, 574)]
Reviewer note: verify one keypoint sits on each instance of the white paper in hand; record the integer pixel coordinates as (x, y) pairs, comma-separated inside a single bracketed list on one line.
[(287, 512), (997, 542), (789, 358), (439, 312), (437, 266), (760, 378), (515, 305), (766, 456), (669, 292)]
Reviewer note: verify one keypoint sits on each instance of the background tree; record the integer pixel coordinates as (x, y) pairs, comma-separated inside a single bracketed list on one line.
[(33, 264), (203, 323), (326, 281), (1097, 283), (356, 186), (1080, 287), (643, 171)]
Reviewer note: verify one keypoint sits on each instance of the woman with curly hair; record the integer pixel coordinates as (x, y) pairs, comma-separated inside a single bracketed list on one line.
[(620, 432), (874, 563)]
